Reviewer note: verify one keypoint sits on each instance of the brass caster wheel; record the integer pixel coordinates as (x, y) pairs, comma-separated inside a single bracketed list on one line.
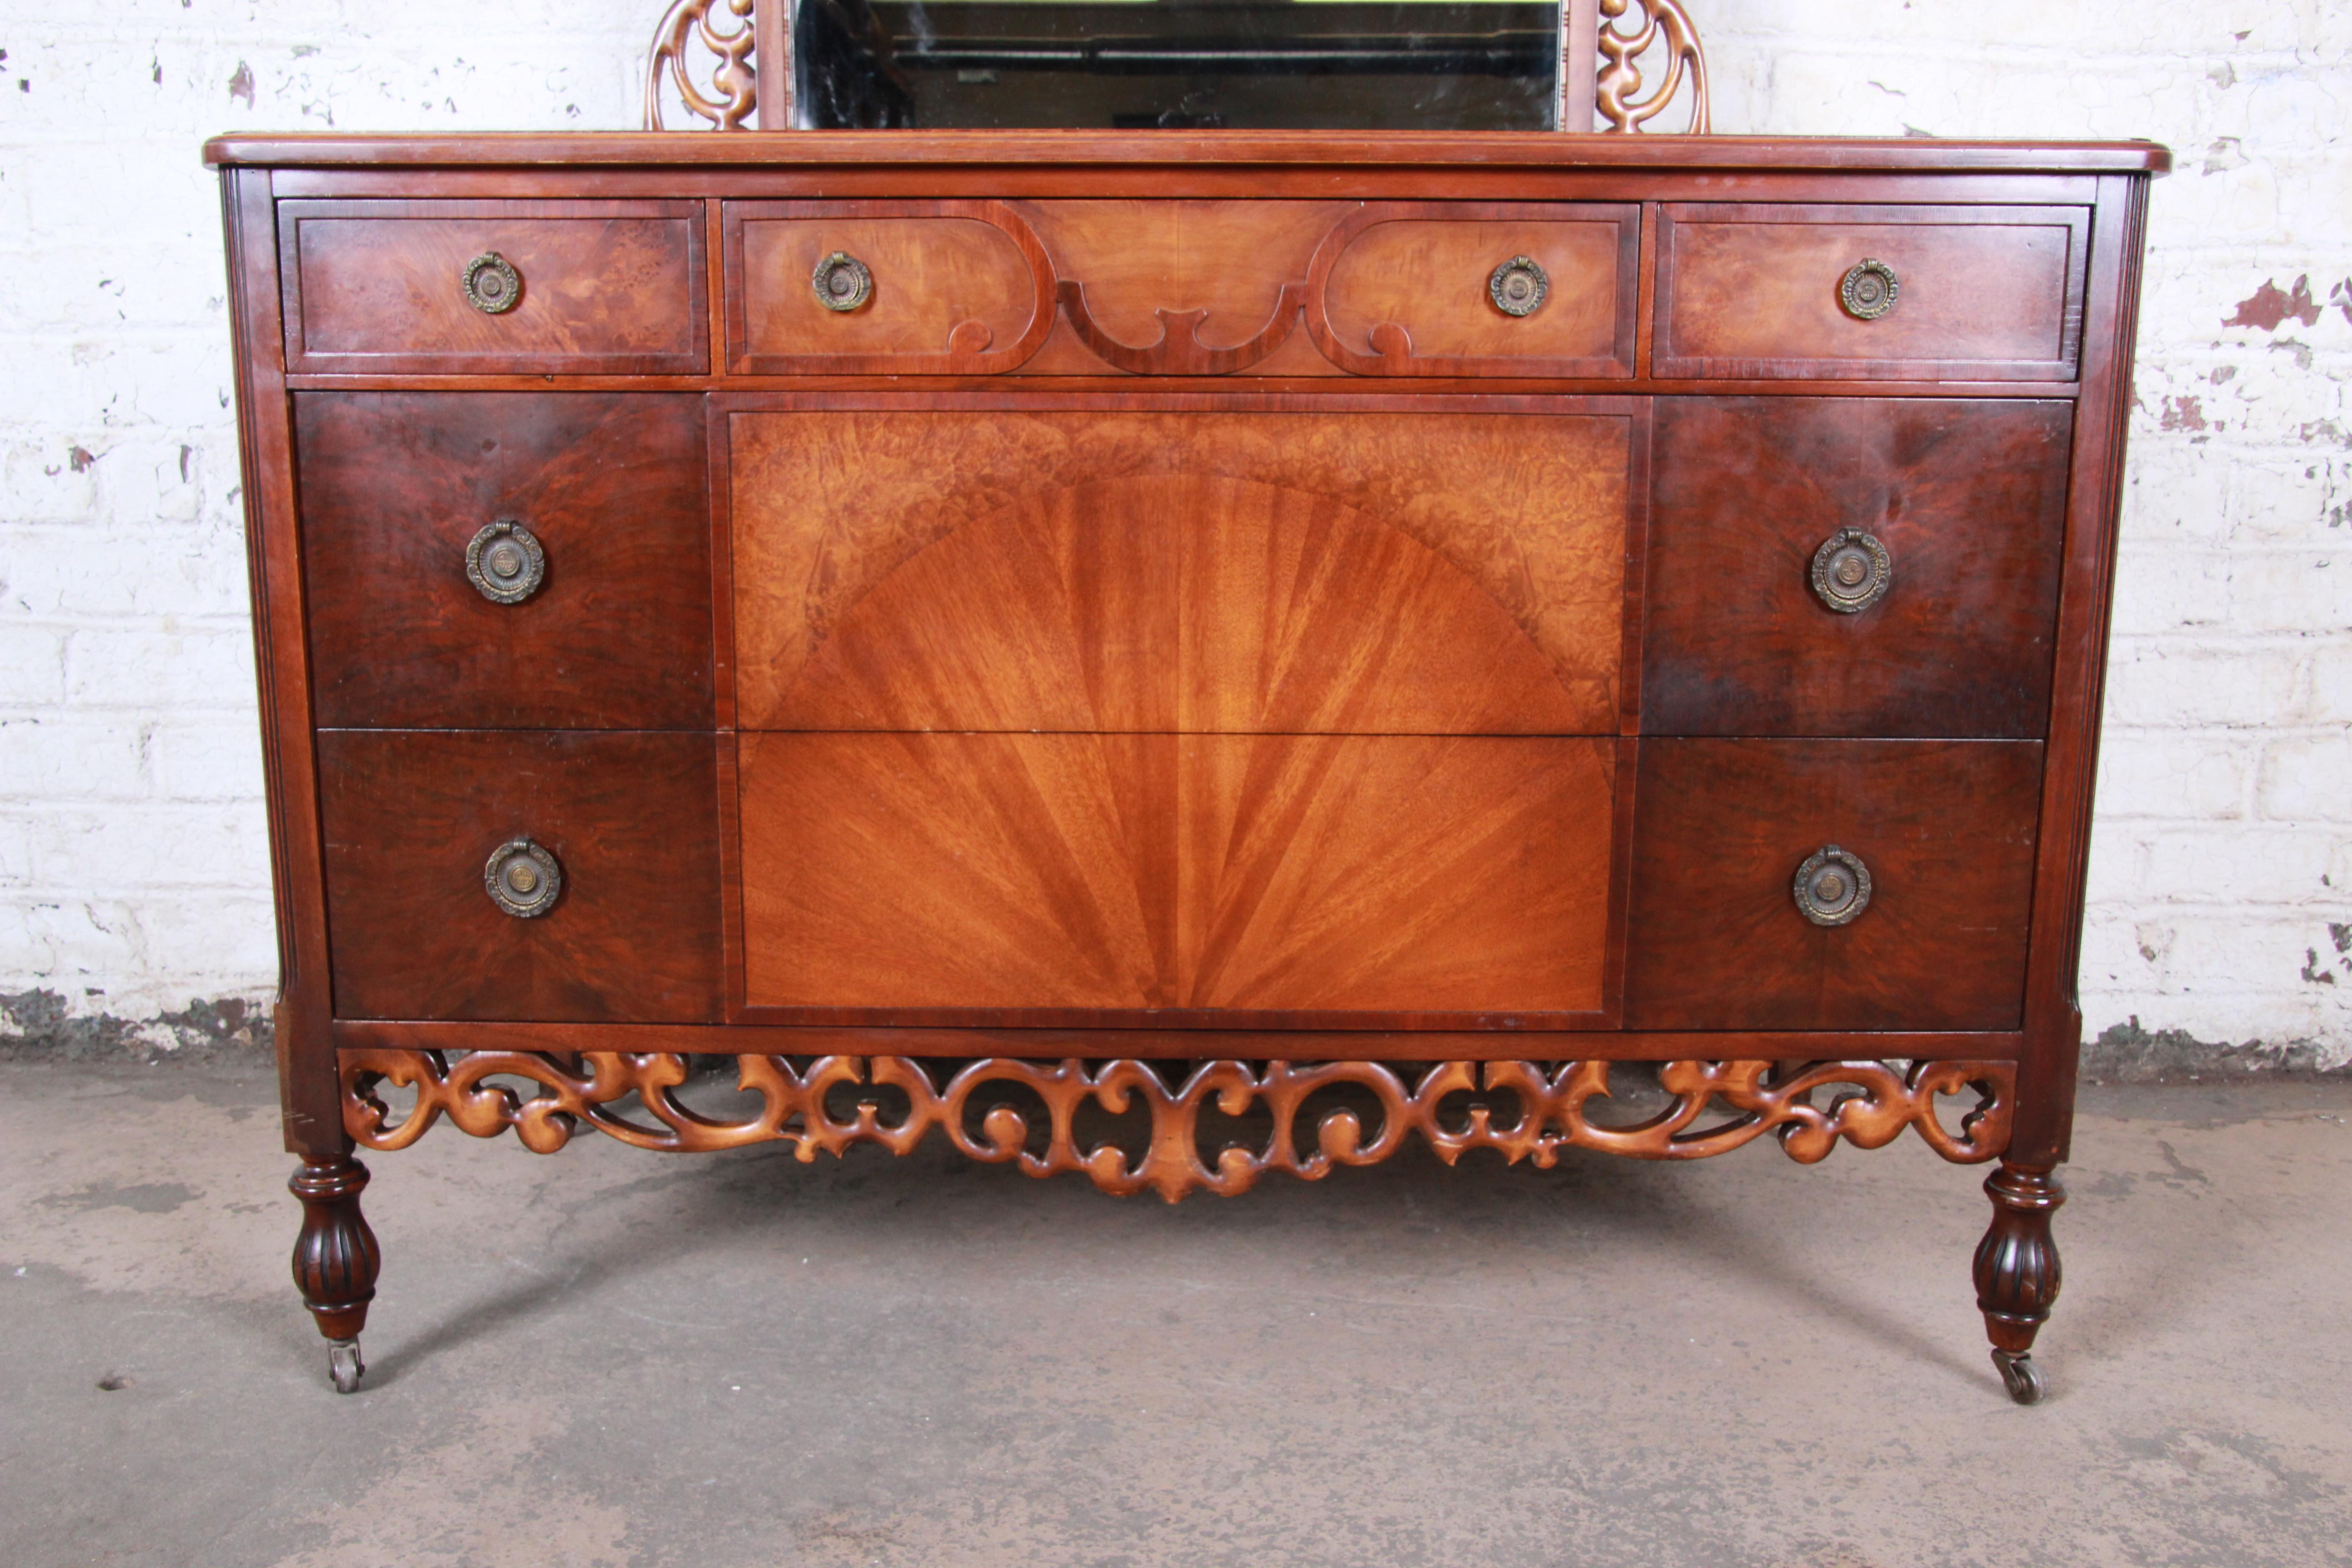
[(345, 1365), (2026, 1383)]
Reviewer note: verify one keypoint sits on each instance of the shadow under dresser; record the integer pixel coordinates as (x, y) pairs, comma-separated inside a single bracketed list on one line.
[(1361, 637)]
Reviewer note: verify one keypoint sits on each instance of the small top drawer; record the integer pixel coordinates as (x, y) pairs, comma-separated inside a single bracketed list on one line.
[(485, 287), (1948, 293)]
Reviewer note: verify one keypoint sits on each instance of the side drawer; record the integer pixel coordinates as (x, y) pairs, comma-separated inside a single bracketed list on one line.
[(411, 821), (608, 488), (1948, 516), (1966, 293), (485, 287), (1723, 829)]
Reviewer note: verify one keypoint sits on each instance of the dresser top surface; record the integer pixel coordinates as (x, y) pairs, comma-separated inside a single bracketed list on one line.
[(1547, 150)]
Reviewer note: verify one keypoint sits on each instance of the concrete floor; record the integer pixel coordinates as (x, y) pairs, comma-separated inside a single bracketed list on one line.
[(608, 1357)]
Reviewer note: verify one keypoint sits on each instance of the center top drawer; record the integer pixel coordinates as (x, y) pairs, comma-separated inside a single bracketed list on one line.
[(1170, 287), (493, 286)]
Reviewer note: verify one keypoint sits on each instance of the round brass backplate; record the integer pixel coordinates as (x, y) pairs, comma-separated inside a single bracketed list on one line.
[(1831, 887), (841, 282), (1518, 287), (505, 563), (1852, 570), (522, 879), (492, 285), (1868, 289)]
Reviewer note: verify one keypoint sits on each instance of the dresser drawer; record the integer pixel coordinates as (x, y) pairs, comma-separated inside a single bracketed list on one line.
[(506, 559), (1724, 829), (882, 287), (412, 823), (1041, 567), (1958, 293), (1480, 288), (1947, 515), (1182, 288), (460, 286)]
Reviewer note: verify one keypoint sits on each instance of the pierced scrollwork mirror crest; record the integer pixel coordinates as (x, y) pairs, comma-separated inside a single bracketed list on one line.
[(704, 56), (693, 34), (1662, 24)]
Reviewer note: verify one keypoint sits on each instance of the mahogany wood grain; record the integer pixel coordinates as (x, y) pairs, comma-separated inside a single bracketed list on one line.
[(1137, 872), (959, 288), (1138, 261), (605, 286), (1946, 829), (1504, 1036), (411, 817), (1752, 290), (1042, 568), (2054, 1010), (395, 485), (1402, 290), (518, 153), (1969, 500)]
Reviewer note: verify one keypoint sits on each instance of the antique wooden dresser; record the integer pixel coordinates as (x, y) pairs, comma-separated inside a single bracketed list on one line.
[(1171, 656)]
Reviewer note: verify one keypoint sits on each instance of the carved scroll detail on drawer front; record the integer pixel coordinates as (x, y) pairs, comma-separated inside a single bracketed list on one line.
[(951, 288), (1180, 288)]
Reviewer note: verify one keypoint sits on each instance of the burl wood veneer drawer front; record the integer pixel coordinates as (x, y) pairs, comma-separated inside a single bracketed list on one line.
[(1854, 566), (1944, 830), (506, 559), (1121, 873), (1953, 293), (1182, 288), (484, 286), (1135, 571), (416, 825)]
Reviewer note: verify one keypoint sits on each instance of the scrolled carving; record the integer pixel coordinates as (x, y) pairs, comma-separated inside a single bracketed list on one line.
[(1618, 96), (733, 94), (1523, 1110), (1180, 351)]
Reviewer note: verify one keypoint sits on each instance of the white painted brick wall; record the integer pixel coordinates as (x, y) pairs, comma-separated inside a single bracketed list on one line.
[(133, 872)]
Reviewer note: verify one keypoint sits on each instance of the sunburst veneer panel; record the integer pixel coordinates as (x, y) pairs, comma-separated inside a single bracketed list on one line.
[(1226, 573), (1423, 873)]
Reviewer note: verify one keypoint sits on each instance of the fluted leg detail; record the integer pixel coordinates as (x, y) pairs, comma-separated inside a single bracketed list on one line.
[(336, 1258), (2017, 1272)]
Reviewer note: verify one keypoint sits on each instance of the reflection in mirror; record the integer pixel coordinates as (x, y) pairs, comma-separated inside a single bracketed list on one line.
[(1430, 64)]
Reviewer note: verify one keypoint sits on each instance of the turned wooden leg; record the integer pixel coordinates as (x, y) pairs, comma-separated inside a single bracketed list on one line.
[(2017, 1272), (336, 1259)]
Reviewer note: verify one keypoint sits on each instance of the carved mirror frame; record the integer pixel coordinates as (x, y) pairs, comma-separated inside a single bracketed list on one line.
[(708, 51)]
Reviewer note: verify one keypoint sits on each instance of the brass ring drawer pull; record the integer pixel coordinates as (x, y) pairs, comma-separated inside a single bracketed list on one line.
[(841, 282), (1832, 886), (1868, 289), (1852, 570), (505, 563), (1518, 287), (492, 286), (522, 879)]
